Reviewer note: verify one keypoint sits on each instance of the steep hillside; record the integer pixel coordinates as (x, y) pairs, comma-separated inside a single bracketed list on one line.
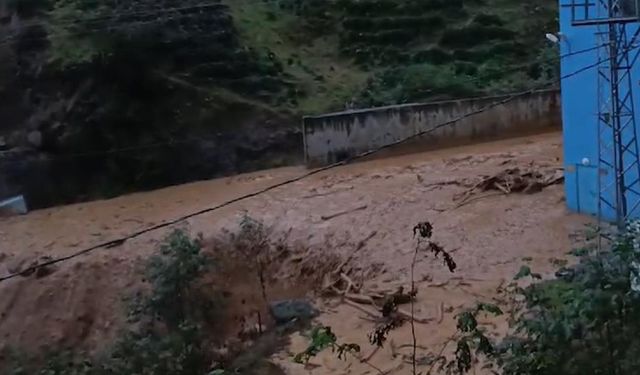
[(133, 95), (100, 98), (371, 52)]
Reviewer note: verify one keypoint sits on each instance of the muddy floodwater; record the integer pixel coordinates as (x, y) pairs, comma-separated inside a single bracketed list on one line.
[(365, 211)]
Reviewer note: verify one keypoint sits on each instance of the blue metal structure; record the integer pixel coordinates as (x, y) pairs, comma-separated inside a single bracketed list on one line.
[(601, 155)]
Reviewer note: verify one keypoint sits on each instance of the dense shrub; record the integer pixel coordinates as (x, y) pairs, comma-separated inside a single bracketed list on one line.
[(368, 7), (368, 55), (172, 273), (474, 35), (384, 37), (586, 321), (316, 15), (417, 82), (433, 56), (465, 68), (499, 50), (168, 338), (417, 23), (488, 20), (399, 7)]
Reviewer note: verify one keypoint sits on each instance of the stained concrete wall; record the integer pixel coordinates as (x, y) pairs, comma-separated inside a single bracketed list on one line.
[(337, 136)]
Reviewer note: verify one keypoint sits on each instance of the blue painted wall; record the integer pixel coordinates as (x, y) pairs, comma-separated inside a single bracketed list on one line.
[(579, 116)]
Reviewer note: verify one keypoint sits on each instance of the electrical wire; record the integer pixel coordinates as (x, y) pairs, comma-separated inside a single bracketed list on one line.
[(88, 20), (127, 26), (138, 13), (521, 67), (106, 152), (186, 141), (119, 241)]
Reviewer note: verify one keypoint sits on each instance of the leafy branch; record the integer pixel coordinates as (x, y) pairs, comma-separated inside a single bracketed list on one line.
[(424, 231), (323, 338), (473, 337)]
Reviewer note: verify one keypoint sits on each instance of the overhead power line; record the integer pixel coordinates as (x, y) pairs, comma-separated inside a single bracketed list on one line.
[(123, 239), (111, 28), (129, 149), (106, 152), (522, 67), (116, 15), (101, 19)]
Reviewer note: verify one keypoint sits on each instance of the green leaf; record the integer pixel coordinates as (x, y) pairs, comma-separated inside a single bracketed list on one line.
[(580, 252), (467, 322), (463, 357), (484, 345), (299, 358), (523, 272), (490, 308)]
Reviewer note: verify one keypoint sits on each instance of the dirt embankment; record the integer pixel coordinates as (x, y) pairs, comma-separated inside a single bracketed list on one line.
[(363, 213)]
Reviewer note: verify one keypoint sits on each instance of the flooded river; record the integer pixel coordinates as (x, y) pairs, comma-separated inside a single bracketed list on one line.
[(379, 201)]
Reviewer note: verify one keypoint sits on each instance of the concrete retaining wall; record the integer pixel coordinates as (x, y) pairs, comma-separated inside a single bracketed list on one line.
[(337, 136)]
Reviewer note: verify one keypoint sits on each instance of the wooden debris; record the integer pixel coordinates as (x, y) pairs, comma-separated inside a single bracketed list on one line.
[(359, 246), (350, 283), (337, 214), (326, 193), (417, 319), (334, 282), (357, 306), (386, 304), (515, 180), (440, 312), (439, 184), (399, 297), (359, 298), (471, 200), (356, 300)]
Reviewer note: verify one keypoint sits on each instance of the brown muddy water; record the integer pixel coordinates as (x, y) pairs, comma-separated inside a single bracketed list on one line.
[(379, 201)]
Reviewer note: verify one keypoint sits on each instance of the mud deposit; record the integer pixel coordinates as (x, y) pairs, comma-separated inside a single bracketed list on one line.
[(363, 213)]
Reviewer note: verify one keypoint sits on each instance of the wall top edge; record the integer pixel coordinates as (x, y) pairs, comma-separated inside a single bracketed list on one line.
[(424, 104)]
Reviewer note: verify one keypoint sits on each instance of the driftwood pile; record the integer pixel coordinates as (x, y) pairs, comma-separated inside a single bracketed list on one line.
[(382, 307), (378, 305), (515, 180)]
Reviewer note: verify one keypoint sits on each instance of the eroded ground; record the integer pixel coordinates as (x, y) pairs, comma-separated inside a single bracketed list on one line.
[(377, 201)]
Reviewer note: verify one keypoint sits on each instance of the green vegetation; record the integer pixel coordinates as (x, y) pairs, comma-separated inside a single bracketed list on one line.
[(226, 80), (585, 321), (322, 338), (323, 78), (377, 52), (305, 56), (168, 337), (172, 274)]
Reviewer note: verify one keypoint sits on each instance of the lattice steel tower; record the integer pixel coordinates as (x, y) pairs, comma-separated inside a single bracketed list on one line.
[(618, 154)]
